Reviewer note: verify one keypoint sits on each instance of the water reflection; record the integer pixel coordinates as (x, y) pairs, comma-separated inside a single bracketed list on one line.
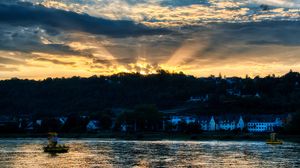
[(106, 153)]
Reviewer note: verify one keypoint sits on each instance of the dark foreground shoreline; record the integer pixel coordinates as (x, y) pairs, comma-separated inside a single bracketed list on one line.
[(160, 136)]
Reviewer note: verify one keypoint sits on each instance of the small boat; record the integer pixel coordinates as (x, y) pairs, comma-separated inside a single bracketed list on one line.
[(53, 147), (277, 142), (56, 149), (273, 140)]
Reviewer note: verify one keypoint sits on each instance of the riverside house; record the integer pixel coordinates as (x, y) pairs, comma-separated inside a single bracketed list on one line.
[(210, 123), (216, 123), (264, 123), (175, 120), (93, 125)]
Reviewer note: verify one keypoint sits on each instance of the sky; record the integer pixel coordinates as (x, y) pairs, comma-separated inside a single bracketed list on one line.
[(64, 38)]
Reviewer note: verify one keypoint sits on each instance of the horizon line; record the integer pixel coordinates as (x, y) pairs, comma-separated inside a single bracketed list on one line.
[(149, 74)]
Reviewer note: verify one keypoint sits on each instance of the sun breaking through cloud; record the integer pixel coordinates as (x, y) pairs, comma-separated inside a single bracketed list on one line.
[(63, 38)]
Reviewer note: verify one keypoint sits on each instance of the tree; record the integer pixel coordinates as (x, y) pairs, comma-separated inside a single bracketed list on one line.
[(293, 127), (148, 117), (50, 125), (54, 97), (104, 117), (143, 118), (75, 123), (194, 128)]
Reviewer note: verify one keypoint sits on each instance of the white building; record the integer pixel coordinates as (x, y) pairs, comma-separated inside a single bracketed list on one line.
[(226, 125), (38, 122), (241, 124), (123, 127), (187, 119), (207, 123), (212, 124), (264, 125), (204, 125), (93, 125), (221, 123), (230, 123), (233, 92), (175, 120), (203, 98), (62, 120), (259, 123)]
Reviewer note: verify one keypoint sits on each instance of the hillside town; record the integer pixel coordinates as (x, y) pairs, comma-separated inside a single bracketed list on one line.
[(174, 123), (162, 102), (258, 123)]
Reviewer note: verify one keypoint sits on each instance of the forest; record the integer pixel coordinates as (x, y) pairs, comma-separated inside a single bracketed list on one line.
[(164, 90)]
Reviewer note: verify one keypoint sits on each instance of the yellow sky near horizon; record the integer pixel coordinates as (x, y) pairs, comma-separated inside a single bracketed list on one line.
[(200, 38), (69, 66)]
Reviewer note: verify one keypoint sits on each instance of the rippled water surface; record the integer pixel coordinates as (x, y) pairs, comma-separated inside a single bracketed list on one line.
[(83, 153)]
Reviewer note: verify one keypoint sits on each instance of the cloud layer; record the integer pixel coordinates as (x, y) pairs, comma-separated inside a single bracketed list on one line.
[(27, 15), (166, 13), (41, 38)]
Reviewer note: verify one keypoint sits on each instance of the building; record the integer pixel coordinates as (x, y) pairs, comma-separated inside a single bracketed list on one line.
[(62, 120), (216, 123), (212, 124), (264, 124), (93, 125), (233, 92), (123, 127), (203, 98), (204, 122), (230, 122), (226, 125), (187, 119), (39, 122), (26, 124), (241, 124), (175, 120), (254, 123)]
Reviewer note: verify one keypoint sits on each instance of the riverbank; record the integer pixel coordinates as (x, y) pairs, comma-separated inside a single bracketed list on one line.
[(152, 136)]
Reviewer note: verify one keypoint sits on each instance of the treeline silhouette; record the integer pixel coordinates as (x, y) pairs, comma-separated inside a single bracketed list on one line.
[(76, 95)]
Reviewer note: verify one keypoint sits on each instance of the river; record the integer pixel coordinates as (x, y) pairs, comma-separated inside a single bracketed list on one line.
[(27, 153)]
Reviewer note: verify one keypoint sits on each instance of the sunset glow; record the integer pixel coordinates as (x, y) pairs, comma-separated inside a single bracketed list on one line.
[(64, 38)]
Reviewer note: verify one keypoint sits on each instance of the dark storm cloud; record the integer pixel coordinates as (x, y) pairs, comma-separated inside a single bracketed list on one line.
[(27, 41), (30, 15), (35, 46), (266, 42), (214, 42), (230, 37)]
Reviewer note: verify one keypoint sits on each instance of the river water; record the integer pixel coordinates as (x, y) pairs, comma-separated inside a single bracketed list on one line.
[(27, 153)]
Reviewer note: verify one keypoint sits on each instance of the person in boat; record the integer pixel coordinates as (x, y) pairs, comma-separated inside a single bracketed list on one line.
[(52, 139), (53, 146)]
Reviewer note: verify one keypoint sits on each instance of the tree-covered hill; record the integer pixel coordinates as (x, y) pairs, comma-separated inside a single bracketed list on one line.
[(60, 96)]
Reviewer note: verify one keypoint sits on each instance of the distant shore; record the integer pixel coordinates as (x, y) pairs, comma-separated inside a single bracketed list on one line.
[(152, 136)]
